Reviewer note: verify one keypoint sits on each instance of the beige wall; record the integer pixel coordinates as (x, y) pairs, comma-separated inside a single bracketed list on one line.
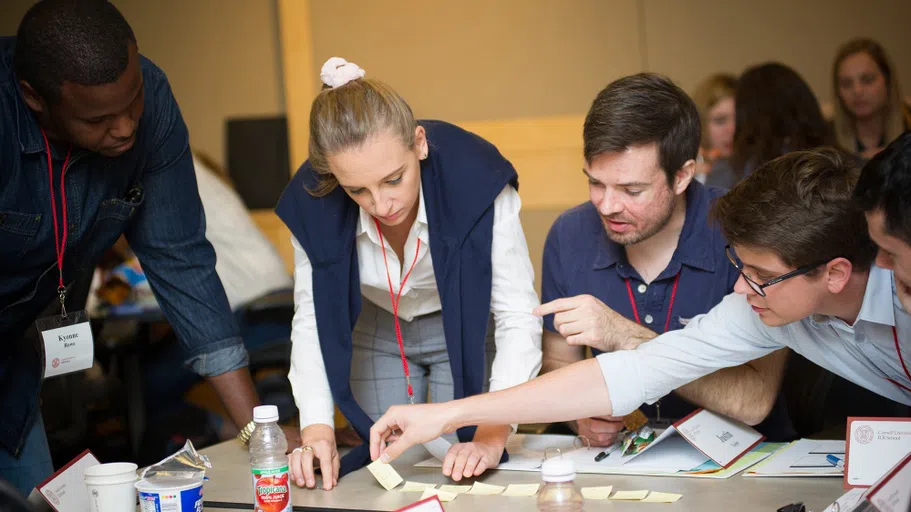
[(482, 59), (478, 59), (221, 57)]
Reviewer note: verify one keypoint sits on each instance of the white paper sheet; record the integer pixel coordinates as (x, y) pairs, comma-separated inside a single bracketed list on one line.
[(805, 457), (526, 453), (439, 447)]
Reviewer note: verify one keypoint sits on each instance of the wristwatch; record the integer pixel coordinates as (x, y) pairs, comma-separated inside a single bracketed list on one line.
[(246, 432)]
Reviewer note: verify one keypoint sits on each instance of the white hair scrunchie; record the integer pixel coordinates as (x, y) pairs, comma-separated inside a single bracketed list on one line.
[(337, 72)]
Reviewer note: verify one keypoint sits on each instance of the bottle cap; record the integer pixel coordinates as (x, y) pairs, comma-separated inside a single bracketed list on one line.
[(558, 469), (265, 414)]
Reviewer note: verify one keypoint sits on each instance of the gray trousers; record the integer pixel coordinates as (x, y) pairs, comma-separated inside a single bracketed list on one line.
[(377, 376)]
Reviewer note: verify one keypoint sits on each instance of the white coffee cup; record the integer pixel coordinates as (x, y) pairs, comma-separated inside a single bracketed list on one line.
[(110, 487)]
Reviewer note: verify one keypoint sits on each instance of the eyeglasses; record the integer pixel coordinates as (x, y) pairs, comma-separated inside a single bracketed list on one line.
[(760, 288)]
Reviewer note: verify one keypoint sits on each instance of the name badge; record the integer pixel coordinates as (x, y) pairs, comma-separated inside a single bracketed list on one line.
[(873, 446), (68, 344)]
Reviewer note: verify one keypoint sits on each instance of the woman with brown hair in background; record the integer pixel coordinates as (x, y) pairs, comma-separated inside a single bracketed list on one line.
[(776, 113), (869, 111), (714, 97)]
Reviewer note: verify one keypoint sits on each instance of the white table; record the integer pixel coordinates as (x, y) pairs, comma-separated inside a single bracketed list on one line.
[(230, 481)]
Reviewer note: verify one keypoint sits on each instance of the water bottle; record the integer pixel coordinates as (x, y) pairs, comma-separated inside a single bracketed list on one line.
[(268, 462), (559, 494)]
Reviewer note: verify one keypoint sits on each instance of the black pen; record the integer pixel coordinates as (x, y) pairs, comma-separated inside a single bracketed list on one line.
[(603, 455)]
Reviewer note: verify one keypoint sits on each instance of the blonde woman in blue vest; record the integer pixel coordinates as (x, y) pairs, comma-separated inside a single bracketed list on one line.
[(411, 272)]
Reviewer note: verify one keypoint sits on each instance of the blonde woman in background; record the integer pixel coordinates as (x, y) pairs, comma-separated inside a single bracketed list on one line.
[(714, 97), (869, 111)]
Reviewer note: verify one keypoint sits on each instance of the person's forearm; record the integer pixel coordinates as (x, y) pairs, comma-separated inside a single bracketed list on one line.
[(746, 393), (557, 353), (729, 392), (634, 336), (237, 393), (492, 433), (576, 391), (551, 363)]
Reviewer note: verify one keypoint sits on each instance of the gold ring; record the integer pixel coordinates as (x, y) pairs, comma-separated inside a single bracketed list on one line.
[(307, 448)]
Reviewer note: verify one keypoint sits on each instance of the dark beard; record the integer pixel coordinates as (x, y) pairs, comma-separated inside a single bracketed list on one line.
[(625, 239)]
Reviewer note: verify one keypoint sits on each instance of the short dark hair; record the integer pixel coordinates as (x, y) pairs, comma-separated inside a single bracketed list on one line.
[(81, 41), (776, 112), (641, 109), (801, 207), (885, 184)]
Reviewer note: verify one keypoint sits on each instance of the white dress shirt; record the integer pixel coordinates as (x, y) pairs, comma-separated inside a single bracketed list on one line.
[(732, 334), (512, 299)]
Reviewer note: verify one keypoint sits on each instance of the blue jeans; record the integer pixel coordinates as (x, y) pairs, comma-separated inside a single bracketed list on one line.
[(33, 464)]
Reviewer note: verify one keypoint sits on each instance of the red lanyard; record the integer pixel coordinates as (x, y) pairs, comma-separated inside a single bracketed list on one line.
[(395, 305), (670, 307), (59, 243), (901, 360)]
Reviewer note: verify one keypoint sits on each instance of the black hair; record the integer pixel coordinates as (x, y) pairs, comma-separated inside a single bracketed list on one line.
[(82, 41), (885, 184)]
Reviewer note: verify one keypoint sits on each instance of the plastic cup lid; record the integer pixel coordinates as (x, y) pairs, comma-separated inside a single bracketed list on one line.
[(155, 485), (265, 414), (558, 469)]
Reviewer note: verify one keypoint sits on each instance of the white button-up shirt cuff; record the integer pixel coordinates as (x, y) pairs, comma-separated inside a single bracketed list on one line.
[(621, 374)]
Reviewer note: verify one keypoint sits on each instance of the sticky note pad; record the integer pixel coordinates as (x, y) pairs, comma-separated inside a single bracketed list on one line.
[(597, 493), (521, 490), (629, 495), (442, 495), (458, 489), (485, 490), (385, 474), (417, 487), (662, 497)]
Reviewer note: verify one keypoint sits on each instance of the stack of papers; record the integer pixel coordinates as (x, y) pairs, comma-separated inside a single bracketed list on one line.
[(704, 444), (806, 457), (673, 457)]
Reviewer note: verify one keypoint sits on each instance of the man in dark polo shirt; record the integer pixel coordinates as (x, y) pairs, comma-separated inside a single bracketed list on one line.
[(644, 248)]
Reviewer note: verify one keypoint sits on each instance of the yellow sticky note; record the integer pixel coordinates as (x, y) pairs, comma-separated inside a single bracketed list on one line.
[(458, 489), (662, 497), (629, 495), (385, 474), (442, 495), (485, 490), (417, 487), (597, 493), (521, 490)]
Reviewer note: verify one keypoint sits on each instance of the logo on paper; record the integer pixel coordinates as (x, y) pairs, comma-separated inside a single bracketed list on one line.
[(864, 435), (51, 495), (55, 363)]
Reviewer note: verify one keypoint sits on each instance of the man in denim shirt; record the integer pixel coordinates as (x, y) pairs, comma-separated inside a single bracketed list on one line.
[(73, 88)]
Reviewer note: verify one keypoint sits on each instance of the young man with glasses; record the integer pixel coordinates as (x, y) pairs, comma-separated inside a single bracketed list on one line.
[(798, 236)]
